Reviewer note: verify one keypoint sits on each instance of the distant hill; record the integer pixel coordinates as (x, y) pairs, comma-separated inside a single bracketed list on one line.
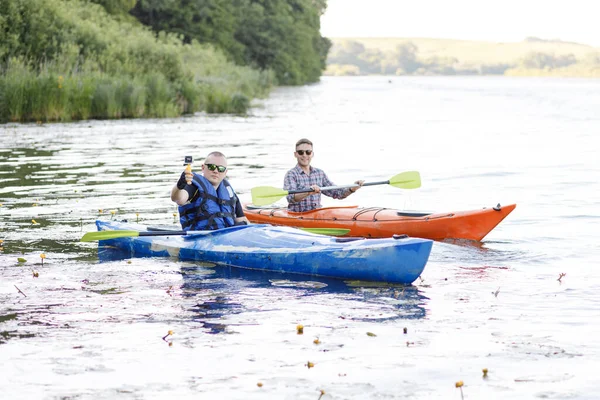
[(425, 56)]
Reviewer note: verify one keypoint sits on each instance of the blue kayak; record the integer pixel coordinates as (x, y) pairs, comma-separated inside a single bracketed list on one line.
[(283, 249)]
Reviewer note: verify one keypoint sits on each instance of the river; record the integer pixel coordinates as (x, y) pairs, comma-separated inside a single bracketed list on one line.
[(93, 328)]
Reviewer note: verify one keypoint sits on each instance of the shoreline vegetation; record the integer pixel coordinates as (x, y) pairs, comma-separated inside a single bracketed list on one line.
[(66, 60), (422, 56)]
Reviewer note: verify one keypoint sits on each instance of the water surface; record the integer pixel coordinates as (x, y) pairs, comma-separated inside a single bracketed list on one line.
[(94, 326)]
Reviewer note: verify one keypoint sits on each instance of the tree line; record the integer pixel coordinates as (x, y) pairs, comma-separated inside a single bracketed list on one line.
[(351, 57)]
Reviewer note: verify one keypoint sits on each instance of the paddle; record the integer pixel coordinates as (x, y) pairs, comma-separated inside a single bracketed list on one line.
[(264, 195), (105, 235)]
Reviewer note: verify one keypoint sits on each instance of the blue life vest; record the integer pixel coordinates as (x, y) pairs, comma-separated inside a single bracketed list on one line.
[(212, 209)]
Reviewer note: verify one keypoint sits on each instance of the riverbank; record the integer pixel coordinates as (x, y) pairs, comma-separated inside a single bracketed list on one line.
[(65, 61)]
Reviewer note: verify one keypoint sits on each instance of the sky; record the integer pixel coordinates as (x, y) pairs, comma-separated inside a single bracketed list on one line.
[(496, 21)]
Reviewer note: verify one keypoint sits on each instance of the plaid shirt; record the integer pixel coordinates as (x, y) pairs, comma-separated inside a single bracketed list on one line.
[(295, 179)]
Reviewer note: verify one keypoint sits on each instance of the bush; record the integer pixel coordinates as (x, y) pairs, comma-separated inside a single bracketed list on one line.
[(63, 60)]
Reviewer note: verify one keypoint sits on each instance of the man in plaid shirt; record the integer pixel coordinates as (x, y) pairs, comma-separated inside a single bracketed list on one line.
[(303, 176)]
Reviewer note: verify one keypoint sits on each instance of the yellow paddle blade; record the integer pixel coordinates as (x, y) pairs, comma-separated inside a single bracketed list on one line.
[(327, 231), (406, 180), (105, 235), (265, 195)]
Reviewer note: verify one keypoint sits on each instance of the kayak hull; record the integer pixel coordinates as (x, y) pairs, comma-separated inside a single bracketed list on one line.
[(284, 249), (384, 222)]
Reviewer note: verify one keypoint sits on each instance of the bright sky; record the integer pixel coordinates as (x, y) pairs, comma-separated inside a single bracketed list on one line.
[(497, 21)]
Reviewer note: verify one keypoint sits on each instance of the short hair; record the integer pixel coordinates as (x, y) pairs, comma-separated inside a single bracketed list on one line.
[(216, 154), (303, 141)]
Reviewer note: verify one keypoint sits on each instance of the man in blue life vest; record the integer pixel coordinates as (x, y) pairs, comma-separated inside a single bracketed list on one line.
[(208, 202)]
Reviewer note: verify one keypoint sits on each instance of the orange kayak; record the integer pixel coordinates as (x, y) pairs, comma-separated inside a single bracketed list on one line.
[(377, 222)]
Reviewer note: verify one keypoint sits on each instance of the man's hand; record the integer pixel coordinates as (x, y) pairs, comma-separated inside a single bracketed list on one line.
[(185, 178), (359, 183)]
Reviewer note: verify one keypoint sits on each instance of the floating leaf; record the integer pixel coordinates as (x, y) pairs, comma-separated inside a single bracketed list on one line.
[(300, 329), (371, 334), (21, 260)]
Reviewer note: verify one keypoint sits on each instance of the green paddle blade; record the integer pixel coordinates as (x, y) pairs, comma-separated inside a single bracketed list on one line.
[(327, 231), (265, 195), (406, 180), (105, 235)]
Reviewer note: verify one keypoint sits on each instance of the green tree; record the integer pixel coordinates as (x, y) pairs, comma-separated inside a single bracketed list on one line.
[(350, 52), (282, 35), (538, 60), (116, 6), (406, 55)]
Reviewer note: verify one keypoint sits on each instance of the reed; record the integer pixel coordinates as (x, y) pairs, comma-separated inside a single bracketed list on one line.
[(78, 62)]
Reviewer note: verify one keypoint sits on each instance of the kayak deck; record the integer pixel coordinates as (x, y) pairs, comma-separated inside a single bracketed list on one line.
[(376, 222), (284, 249)]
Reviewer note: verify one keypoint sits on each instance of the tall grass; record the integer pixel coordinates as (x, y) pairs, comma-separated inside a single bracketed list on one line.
[(68, 60)]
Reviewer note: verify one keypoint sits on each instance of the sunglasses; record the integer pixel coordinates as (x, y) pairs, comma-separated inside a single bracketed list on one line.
[(301, 152), (219, 168)]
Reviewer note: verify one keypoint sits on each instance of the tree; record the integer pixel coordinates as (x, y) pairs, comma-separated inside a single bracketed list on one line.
[(282, 35), (406, 55), (116, 6)]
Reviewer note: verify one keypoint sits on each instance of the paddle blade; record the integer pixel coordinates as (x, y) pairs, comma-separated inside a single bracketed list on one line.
[(327, 231), (265, 195), (105, 235), (406, 180)]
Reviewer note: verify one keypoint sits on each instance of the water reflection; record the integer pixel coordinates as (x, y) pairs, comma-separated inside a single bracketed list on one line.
[(226, 282), (216, 292)]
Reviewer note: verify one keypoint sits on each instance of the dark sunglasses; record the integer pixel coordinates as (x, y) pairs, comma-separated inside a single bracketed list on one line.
[(219, 168), (301, 152)]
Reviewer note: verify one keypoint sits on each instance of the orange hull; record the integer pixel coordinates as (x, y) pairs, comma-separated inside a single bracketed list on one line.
[(384, 222)]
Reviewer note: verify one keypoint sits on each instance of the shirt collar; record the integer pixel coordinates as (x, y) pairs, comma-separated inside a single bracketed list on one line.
[(301, 171)]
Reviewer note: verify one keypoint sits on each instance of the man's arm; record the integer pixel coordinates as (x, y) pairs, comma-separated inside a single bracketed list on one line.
[(182, 192), (239, 213), (179, 196), (339, 193), (291, 182), (334, 193)]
